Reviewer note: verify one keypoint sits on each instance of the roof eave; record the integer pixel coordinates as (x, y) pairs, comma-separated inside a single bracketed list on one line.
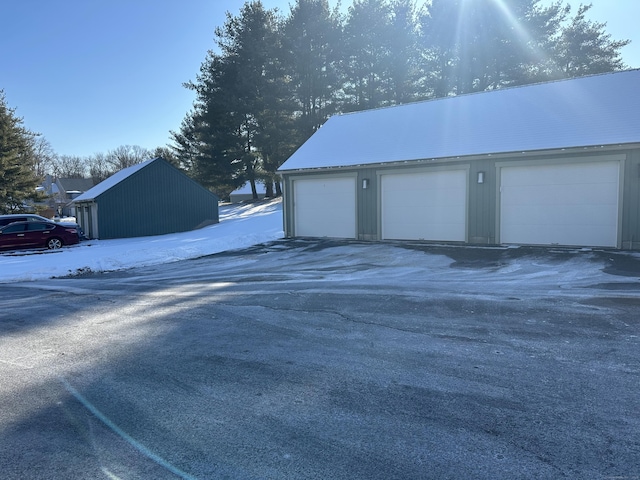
[(499, 155)]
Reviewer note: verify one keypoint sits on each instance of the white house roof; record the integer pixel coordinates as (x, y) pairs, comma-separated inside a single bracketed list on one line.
[(589, 111), (246, 188), (114, 179)]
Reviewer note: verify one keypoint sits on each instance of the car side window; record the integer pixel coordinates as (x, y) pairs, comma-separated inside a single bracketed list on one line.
[(20, 227), (38, 227), (7, 221)]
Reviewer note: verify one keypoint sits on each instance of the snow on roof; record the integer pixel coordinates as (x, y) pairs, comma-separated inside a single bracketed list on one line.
[(582, 112), (114, 179), (246, 188)]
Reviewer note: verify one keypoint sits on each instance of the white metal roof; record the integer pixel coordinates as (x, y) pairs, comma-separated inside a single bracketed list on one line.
[(114, 179), (246, 188), (589, 111)]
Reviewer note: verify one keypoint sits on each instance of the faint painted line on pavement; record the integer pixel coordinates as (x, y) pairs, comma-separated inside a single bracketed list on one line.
[(122, 434), (14, 364)]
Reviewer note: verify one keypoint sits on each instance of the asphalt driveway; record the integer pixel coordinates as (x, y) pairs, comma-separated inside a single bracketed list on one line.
[(321, 359)]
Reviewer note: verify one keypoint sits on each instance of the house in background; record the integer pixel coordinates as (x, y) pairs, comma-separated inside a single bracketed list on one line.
[(61, 191), (150, 198), (243, 193), (555, 163)]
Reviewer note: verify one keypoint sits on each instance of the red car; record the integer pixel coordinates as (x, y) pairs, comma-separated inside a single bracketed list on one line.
[(32, 234)]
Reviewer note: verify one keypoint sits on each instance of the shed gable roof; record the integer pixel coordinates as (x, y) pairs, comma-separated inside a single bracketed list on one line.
[(112, 181), (582, 112)]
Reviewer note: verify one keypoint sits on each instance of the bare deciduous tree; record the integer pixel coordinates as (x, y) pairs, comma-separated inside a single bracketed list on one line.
[(126, 156), (43, 156), (99, 167), (69, 166)]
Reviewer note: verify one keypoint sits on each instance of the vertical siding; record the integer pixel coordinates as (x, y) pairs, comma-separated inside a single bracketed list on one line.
[(631, 202), (482, 203), (287, 206), (367, 203), (157, 199), (482, 211)]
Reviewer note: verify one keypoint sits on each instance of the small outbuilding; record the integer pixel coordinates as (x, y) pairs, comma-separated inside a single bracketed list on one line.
[(554, 163), (150, 198), (244, 193)]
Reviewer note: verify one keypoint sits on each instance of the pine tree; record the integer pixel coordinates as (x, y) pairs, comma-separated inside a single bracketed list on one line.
[(17, 176), (404, 61), (240, 102), (367, 54), (484, 45), (272, 82), (584, 48), (209, 140), (311, 42)]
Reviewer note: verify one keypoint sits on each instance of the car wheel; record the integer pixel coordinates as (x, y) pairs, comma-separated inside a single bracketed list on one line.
[(54, 243)]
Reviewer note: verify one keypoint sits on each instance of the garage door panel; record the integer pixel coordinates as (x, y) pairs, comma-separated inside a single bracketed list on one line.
[(567, 195), (575, 204), (565, 235), (565, 175), (325, 207), (571, 215), (424, 206)]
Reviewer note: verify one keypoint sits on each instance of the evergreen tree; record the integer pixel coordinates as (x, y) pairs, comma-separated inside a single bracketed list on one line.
[(312, 41), (584, 48), (272, 82), (240, 98), (367, 54), (404, 59), (210, 137), (483, 45), (168, 155), (17, 169), (185, 142)]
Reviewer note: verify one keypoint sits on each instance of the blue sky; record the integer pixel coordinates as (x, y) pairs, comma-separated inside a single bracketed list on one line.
[(91, 75)]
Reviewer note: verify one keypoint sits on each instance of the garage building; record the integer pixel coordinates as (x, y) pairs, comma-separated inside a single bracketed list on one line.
[(555, 163), (150, 198)]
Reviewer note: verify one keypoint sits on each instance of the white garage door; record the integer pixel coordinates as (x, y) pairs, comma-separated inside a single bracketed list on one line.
[(573, 204), (424, 206), (325, 207)]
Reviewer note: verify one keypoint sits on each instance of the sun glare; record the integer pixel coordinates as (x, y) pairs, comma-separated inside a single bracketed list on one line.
[(483, 9)]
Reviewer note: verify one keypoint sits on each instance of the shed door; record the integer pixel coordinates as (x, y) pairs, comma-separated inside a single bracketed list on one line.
[(424, 206), (574, 204), (325, 207)]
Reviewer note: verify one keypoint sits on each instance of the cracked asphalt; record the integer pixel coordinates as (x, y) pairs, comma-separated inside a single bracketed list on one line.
[(327, 359)]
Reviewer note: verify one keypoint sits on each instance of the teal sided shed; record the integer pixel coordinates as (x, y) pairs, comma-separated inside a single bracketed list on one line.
[(150, 198)]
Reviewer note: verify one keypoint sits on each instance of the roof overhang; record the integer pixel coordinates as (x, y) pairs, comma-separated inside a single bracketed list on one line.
[(594, 149)]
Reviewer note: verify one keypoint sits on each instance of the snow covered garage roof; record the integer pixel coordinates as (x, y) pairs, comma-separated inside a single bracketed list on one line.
[(110, 182), (583, 112)]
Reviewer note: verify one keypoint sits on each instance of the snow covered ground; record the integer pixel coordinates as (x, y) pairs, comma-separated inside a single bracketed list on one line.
[(481, 270), (241, 226)]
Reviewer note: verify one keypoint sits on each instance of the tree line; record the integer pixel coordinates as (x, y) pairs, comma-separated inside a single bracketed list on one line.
[(272, 80), (26, 158), (98, 166)]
